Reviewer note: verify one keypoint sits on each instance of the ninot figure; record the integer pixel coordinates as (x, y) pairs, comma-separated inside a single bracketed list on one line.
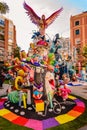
[(64, 91)]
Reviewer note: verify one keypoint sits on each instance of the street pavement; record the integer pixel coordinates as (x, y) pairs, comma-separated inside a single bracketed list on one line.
[(83, 128), (3, 91), (76, 90), (80, 90)]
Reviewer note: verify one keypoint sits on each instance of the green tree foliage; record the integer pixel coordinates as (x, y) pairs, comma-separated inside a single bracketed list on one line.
[(17, 52), (84, 53), (4, 8)]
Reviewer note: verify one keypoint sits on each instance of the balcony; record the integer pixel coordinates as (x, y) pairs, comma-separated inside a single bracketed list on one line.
[(2, 38), (2, 41), (2, 44), (2, 32)]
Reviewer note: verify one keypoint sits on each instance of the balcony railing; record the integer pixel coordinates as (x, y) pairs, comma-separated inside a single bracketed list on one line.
[(2, 32), (2, 40)]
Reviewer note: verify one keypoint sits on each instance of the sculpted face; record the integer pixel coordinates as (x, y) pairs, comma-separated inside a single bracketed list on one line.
[(43, 16)]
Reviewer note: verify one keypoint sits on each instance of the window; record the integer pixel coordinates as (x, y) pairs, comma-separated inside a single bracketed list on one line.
[(2, 31), (78, 50), (10, 24), (77, 41), (9, 49), (77, 32), (76, 23), (2, 22), (10, 35)]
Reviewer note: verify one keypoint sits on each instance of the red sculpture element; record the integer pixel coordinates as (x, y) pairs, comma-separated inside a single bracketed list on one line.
[(42, 23)]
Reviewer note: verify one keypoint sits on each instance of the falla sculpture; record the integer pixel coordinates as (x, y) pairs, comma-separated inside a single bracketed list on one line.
[(41, 22)]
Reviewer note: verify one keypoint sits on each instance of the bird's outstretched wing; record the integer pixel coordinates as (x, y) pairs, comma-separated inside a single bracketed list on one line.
[(52, 17), (33, 16)]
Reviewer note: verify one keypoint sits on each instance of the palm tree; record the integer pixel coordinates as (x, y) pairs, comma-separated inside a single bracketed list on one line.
[(4, 8)]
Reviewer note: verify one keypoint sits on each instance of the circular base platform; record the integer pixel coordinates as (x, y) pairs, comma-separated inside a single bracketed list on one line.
[(62, 112)]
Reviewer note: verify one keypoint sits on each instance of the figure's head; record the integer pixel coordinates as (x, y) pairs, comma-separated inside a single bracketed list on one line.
[(21, 73), (23, 54), (38, 69), (66, 80), (43, 16)]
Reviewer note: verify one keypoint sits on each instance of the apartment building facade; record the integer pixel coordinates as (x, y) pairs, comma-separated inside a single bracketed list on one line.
[(7, 38), (78, 34)]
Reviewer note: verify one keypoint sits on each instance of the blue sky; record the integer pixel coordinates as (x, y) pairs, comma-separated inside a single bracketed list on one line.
[(61, 25)]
